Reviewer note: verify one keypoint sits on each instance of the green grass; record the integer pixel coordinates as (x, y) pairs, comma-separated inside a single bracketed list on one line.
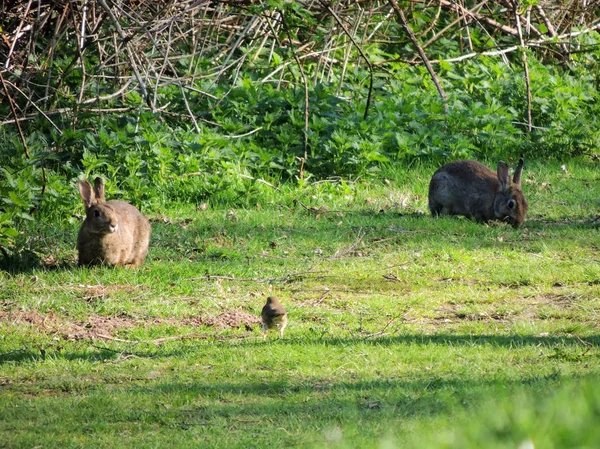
[(405, 331)]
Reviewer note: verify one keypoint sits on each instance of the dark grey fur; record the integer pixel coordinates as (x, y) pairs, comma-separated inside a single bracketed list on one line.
[(471, 189)]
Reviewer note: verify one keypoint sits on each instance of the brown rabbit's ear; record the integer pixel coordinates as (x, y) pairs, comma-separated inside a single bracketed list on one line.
[(99, 190), (503, 175), (518, 171), (86, 193)]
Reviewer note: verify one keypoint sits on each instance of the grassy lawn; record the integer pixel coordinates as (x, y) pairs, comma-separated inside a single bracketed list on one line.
[(404, 330)]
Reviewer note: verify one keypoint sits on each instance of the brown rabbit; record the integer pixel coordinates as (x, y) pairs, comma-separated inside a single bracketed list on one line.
[(471, 189), (114, 232)]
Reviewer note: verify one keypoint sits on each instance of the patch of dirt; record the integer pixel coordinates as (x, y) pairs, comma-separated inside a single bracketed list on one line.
[(53, 324), (450, 315), (107, 325), (89, 292), (553, 298), (182, 222), (529, 308), (230, 319), (99, 291), (98, 326)]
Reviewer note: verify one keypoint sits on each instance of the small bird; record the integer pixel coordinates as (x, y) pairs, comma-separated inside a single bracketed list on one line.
[(273, 316)]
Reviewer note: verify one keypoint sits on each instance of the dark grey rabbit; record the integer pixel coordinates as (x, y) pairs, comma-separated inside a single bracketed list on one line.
[(471, 189), (114, 232)]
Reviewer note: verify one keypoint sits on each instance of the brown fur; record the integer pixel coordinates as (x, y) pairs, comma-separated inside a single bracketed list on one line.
[(471, 189), (98, 242), (273, 316)]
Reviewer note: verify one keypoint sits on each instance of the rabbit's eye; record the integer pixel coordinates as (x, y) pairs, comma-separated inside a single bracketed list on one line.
[(511, 204), (96, 213)]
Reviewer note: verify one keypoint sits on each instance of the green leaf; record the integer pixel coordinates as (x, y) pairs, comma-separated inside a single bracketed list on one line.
[(445, 65), (16, 200), (9, 232)]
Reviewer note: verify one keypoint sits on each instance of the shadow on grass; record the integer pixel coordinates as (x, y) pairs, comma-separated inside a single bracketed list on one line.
[(466, 340), (592, 222), (178, 240), (369, 407), (187, 397), (144, 348), (368, 389), (311, 405)]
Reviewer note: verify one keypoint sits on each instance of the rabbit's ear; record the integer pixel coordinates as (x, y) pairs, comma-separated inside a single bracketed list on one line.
[(99, 190), (86, 193), (518, 171), (503, 175)]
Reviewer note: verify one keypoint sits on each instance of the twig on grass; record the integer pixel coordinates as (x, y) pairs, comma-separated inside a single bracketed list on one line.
[(111, 338), (382, 331), (587, 345), (123, 354), (286, 277), (161, 340), (339, 254), (16, 351), (325, 294), (104, 348), (391, 277)]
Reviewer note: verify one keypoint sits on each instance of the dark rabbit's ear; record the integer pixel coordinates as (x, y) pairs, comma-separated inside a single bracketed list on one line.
[(99, 190), (86, 193), (503, 175), (518, 171)]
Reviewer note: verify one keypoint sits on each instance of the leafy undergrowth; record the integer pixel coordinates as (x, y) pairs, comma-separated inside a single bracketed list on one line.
[(405, 331)]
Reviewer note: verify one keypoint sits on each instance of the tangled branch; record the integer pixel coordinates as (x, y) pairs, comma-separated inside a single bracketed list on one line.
[(111, 53)]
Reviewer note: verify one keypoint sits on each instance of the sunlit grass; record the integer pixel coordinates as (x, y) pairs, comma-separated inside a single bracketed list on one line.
[(405, 331)]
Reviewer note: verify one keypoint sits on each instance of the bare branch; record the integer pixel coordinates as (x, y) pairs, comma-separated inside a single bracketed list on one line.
[(11, 102), (18, 35), (124, 39), (414, 40), (304, 81), (362, 53), (525, 65)]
